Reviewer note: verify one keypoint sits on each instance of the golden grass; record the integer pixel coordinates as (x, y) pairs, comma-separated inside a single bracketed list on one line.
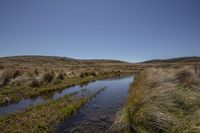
[(161, 101)]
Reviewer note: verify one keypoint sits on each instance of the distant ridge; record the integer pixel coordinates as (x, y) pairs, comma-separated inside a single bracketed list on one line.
[(35, 56), (39, 59), (172, 60), (57, 59)]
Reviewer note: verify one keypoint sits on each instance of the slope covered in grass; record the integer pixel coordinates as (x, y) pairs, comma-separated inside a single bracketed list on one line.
[(163, 100)]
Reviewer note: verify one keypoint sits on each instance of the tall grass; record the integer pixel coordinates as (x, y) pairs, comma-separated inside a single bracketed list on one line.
[(161, 101), (48, 76), (8, 75), (35, 83), (60, 76)]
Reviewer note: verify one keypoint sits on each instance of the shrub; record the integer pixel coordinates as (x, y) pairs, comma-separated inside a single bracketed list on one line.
[(16, 73), (30, 73), (48, 76), (82, 75), (1, 67), (6, 76), (61, 76), (87, 73), (93, 74), (35, 83), (185, 77), (36, 72), (72, 73)]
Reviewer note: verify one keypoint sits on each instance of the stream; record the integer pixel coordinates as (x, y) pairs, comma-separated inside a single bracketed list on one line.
[(25, 103), (99, 114)]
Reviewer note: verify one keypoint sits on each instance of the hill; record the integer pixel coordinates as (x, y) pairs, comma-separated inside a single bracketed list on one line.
[(49, 61), (175, 60)]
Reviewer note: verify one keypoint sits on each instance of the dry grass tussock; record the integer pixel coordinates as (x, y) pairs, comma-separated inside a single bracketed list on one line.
[(162, 100), (8, 75), (30, 77)]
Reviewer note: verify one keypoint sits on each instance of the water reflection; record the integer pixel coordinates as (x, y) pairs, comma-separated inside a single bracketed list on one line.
[(98, 115), (24, 103)]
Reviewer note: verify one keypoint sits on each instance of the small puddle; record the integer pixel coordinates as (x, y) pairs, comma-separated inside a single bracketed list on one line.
[(98, 115), (25, 103)]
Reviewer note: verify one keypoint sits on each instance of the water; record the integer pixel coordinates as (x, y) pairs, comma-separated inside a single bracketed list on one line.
[(25, 103), (99, 114)]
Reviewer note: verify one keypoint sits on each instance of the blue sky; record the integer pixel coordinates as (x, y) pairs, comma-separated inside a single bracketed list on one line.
[(130, 30)]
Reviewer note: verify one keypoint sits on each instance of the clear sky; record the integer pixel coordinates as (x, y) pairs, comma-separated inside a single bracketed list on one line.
[(130, 30)]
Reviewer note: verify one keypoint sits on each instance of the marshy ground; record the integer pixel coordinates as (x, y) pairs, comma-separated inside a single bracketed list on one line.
[(24, 78), (30, 76), (163, 98), (43, 117)]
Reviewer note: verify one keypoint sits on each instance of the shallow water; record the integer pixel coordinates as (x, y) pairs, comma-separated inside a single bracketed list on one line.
[(25, 103), (99, 114)]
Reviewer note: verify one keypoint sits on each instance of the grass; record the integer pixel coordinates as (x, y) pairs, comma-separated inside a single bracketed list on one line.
[(8, 75), (44, 117), (30, 76), (35, 83), (162, 100), (61, 76), (34, 89), (48, 77)]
